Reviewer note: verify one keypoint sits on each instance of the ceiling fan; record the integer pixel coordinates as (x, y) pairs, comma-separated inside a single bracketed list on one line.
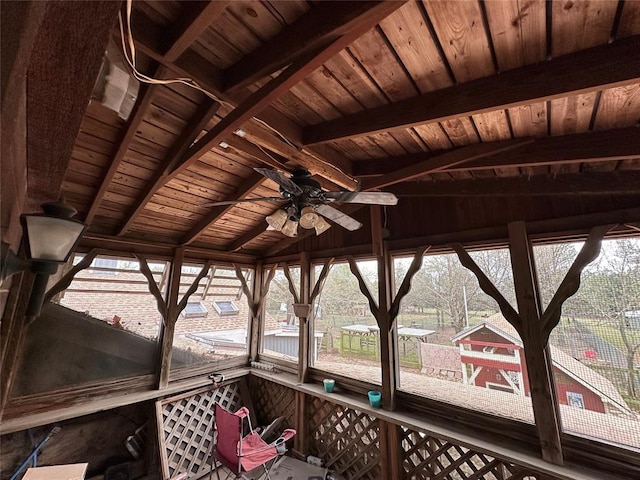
[(307, 203)]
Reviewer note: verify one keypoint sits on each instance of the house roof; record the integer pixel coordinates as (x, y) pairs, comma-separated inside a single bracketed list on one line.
[(581, 373), (456, 104)]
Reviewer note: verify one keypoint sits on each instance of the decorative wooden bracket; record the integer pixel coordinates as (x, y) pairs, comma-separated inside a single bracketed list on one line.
[(373, 306), (292, 287), (489, 288), (405, 286), (404, 289), (317, 287), (68, 277), (571, 282), (163, 306), (254, 305)]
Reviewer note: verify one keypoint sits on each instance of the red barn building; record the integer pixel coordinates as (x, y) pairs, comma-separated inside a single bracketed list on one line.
[(492, 357)]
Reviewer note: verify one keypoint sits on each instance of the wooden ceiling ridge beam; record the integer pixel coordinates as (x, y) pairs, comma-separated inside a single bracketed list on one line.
[(141, 110), (613, 183), (444, 161), (322, 24), (248, 185), (195, 126), (192, 26), (147, 36), (608, 66)]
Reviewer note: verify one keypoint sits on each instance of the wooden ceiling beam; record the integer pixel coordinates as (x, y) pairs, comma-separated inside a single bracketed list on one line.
[(598, 146), (192, 26), (141, 109), (615, 183), (247, 237), (197, 123), (147, 37), (322, 24), (262, 98), (444, 161), (246, 187), (608, 66)]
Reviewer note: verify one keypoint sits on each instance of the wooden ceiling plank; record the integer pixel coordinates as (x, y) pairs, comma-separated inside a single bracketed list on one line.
[(567, 184), (192, 27), (444, 161), (609, 65), (141, 109), (191, 132), (321, 25), (246, 238), (251, 183)]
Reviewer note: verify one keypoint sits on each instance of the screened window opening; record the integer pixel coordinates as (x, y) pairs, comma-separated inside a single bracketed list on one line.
[(214, 325), (453, 343), (349, 337), (595, 348), (281, 332)]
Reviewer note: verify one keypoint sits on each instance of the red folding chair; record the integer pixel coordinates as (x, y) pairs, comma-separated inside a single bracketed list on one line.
[(239, 453)]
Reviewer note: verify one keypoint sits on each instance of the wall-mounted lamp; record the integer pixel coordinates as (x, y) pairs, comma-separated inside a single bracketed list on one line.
[(49, 240)]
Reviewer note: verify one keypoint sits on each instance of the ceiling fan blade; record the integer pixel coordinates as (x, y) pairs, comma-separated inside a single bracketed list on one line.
[(285, 183), (338, 217), (241, 200), (370, 198)]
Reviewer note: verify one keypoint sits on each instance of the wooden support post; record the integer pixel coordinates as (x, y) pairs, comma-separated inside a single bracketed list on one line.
[(301, 440), (538, 359), (170, 318), (390, 450), (254, 322), (305, 350), (386, 323)]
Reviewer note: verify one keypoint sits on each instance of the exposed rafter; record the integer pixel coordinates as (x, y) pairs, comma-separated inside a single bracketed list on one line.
[(321, 25), (610, 65), (141, 109), (614, 183), (442, 162), (617, 144), (193, 24)]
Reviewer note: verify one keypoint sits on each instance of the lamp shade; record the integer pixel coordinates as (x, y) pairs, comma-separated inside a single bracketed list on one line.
[(308, 217), (277, 219), (321, 225), (290, 228), (51, 239)]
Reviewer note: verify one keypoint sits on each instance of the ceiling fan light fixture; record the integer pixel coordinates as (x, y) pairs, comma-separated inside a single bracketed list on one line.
[(290, 228), (308, 218), (278, 219), (321, 225)]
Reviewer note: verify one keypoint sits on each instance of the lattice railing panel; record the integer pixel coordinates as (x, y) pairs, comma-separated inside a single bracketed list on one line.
[(185, 428), (272, 400), (346, 439), (430, 458)]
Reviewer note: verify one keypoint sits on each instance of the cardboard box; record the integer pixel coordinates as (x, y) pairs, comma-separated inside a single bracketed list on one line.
[(74, 471)]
